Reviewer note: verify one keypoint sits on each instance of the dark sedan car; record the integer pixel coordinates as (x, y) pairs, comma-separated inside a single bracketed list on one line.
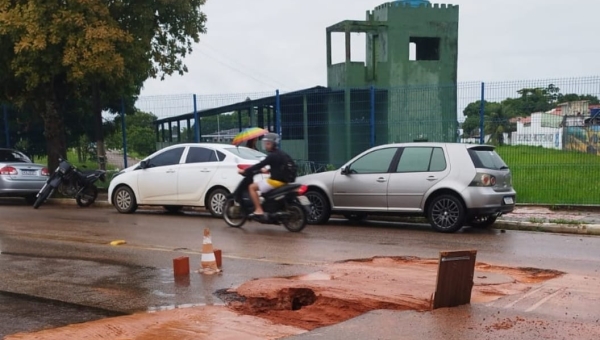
[(19, 176)]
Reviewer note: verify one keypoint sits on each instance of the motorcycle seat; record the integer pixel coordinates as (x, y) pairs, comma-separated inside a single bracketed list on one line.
[(90, 173), (282, 189)]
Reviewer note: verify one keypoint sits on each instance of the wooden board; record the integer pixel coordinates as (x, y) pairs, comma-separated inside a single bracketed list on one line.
[(455, 278)]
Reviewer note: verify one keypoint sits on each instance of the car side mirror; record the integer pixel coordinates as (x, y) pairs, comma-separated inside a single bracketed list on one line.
[(143, 164), (345, 170)]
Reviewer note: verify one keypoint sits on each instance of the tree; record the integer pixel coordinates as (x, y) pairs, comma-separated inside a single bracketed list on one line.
[(93, 50), (572, 97), (471, 112), (139, 128), (530, 100)]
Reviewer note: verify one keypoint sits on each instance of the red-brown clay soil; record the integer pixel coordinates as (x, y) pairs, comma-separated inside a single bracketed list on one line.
[(273, 308), (348, 289), (210, 322)]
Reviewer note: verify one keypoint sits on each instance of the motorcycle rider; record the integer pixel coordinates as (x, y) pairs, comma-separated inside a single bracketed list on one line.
[(276, 160)]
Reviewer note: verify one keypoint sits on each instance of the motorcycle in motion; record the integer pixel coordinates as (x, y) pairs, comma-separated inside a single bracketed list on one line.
[(71, 182), (285, 205)]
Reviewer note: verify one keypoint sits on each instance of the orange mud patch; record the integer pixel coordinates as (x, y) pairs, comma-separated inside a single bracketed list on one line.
[(273, 308), (348, 289), (210, 322)]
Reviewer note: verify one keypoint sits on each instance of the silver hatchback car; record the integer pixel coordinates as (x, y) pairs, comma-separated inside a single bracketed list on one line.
[(452, 184)]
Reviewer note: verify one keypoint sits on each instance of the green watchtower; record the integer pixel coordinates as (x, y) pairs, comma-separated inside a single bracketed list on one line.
[(412, 58)]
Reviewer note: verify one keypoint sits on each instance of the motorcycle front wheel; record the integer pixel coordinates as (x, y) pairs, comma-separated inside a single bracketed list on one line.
[(43, 196), (87, 197), (296, 221), (233, 214)]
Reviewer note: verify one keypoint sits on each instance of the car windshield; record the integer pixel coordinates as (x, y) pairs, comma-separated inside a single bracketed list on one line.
[(487, 158), (246, 153), (12, 156)]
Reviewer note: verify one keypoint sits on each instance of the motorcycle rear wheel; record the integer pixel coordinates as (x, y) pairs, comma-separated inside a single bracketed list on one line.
[(234, 215), (87, 197), (297, 218)]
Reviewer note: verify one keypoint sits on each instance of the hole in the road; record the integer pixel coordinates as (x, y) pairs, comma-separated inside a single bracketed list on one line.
[(350, 288), (290, 299)]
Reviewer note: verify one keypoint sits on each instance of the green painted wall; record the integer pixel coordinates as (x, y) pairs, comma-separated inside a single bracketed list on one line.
[(417, 98)]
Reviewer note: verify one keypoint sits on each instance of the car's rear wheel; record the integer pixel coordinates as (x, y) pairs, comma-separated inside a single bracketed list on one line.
[(446, 214), (483, 221), (215, 202), (320, 210), (124, 200)]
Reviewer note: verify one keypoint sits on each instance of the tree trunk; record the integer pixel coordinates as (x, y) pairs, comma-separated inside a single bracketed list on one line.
[(97, 107), (54, 131)]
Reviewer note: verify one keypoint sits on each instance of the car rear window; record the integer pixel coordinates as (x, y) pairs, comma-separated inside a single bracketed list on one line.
[(486, 158), (246, 153), (13, 157)]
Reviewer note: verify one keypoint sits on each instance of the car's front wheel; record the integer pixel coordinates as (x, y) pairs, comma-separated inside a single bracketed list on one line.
[(483, 221), (124, 200), (446, 214), (320, 210)]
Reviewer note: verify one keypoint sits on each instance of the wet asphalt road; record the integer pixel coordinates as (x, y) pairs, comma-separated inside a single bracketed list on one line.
[(62, 253)]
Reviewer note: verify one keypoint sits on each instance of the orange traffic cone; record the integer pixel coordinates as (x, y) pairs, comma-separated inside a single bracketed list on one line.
[(208, 262)]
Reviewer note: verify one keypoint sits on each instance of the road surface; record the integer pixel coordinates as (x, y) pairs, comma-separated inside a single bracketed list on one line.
[(63, 253)]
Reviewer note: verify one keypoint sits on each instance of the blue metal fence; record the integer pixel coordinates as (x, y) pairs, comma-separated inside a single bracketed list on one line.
[(546, 130)]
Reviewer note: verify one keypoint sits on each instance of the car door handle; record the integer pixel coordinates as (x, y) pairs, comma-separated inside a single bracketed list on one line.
[(205, 170), (431, 178), (170, 171), (381, 180)]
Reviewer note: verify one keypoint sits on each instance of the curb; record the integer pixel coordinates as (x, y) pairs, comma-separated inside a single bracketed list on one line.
[(67, 201), (579, 229)]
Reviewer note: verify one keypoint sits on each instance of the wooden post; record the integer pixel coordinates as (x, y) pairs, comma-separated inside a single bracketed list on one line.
[(455, 278)]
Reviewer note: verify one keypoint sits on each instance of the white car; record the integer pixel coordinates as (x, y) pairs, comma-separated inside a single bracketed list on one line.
[(194, 175)]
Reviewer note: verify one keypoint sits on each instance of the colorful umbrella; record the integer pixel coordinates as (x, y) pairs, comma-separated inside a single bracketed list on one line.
[(248, 134)]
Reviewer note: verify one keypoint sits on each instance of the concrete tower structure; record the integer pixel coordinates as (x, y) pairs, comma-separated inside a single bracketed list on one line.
[(416, 92)]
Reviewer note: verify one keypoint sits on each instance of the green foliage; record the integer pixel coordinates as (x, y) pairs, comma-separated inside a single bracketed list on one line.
[(223, 122), (498, 115), (550, 176), (90, 53), (140, 132)]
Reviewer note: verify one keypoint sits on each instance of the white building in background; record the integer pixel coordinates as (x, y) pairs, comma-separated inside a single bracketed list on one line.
[(540, 129)]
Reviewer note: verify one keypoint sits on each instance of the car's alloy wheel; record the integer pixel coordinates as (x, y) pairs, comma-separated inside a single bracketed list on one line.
[(216, 202), (319, 210), (446, 214), (124, 200)]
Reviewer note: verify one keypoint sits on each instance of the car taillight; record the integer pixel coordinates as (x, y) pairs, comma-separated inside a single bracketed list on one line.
[(483, 180), (8, 170), (302, 190), (45, 172), (243, 166)]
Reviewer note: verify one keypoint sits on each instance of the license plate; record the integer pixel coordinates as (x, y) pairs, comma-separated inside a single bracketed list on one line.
[(304, 200), (28, 172), (508, 200)]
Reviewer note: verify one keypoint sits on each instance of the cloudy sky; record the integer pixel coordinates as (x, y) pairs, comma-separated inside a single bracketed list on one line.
[(262, 45)]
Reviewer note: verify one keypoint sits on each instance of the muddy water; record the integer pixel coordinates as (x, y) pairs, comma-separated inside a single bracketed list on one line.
[(19, 313)]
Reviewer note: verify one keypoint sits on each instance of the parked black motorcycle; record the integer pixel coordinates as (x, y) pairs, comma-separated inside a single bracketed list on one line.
[(285, 205), (71, 182)]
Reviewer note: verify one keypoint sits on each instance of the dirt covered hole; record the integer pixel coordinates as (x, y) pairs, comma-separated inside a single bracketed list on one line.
[(348, 289)]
